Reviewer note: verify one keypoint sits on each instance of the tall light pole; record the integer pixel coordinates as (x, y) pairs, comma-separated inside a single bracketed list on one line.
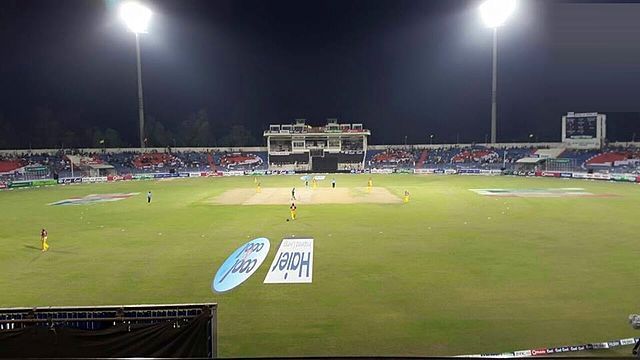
[(137, 17), (494, 13)]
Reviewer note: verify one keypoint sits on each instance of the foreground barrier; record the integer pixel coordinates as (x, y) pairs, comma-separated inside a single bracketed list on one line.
[(172, 330), (559, 350)]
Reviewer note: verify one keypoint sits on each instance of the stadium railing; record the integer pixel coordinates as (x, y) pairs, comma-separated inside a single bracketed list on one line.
[(104, 317)]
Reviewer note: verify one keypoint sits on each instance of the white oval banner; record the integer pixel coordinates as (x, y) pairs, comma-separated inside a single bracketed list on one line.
[(241, 265)]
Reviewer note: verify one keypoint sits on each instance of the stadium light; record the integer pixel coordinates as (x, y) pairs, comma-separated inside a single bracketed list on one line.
[(137, 17), (494, 13)]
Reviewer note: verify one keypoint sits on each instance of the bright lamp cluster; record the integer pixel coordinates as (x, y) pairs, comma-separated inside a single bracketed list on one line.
[(135, 16), (495, 12)]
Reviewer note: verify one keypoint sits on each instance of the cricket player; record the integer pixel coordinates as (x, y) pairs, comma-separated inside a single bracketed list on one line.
[(369, 184), (314, 183), (148, 197), (258, 188), (44, 235), (406, 196), (333, 183), (293, 193), (292, 209)]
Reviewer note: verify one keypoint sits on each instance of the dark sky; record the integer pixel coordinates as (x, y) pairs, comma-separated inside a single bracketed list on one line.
[(401, 67)]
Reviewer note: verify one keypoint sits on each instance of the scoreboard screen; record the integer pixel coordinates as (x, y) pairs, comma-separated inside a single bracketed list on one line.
[(582, 127)]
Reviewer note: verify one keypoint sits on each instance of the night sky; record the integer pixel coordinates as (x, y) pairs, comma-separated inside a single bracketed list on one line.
[(400, 67)]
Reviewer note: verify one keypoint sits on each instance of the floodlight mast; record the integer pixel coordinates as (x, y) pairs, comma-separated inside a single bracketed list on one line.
[(494, 86), (494, 13), (136, 17)]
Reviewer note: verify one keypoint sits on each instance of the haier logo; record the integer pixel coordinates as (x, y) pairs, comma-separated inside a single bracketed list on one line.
[(293, 262), (241, 265)]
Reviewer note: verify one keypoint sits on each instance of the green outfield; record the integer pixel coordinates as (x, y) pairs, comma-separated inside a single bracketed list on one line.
[(451, 272)]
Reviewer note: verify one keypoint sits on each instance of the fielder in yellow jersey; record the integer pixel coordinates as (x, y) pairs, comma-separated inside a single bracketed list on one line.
[(293, 209), (44, 236), (369, 185), (406, 196)]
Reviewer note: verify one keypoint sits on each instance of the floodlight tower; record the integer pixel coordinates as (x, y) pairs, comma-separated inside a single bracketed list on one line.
[(494, 13), (136, 17)]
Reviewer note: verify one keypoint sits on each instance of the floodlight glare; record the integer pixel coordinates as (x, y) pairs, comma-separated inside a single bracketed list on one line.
[(135, 16), (495, 12)]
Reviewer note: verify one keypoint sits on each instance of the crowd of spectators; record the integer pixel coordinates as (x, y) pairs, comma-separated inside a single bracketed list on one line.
[(392, 157), (13, 165)]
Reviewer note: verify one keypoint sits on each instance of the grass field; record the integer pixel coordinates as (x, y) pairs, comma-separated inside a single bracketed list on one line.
[(452, 272)]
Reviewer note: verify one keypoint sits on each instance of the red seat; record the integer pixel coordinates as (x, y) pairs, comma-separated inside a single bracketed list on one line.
[(10, 165)]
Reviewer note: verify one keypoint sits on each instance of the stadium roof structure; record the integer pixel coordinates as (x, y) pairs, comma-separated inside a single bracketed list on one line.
[(100, 166), (530, 160)]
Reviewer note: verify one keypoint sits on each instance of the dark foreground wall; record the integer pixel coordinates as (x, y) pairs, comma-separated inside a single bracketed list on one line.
[(166, 339)]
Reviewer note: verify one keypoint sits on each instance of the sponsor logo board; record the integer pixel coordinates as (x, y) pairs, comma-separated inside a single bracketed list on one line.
[(43, 182), (97, 179), (140, 177), (382, 171), (629, 341), (70, 180), (165, 175), (20, 184), (293, 263), (535, 352), (522, 353), (623, 177), (240, 265)]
